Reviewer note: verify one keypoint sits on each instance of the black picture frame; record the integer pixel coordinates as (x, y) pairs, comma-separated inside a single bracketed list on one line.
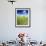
[(24, 13)]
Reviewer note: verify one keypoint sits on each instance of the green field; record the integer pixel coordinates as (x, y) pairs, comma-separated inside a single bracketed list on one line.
[(22, 20)]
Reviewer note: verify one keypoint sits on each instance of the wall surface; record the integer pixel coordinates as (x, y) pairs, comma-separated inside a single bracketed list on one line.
[(8, 31)]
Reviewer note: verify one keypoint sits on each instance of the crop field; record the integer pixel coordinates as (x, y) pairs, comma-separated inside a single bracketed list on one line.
[(22, 20)]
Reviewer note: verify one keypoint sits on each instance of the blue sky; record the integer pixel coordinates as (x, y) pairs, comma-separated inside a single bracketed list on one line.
[(22, 12)]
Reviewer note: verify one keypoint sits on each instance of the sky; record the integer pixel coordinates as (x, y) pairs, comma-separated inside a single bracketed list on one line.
[(22, 12)]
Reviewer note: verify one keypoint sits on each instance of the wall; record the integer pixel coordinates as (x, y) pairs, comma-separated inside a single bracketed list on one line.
[(8, 31)]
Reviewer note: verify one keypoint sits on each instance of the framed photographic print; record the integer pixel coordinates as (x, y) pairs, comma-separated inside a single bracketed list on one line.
[(22, 17)]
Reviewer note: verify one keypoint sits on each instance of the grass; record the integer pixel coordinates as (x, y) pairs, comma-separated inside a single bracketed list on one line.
[(22, 20)]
